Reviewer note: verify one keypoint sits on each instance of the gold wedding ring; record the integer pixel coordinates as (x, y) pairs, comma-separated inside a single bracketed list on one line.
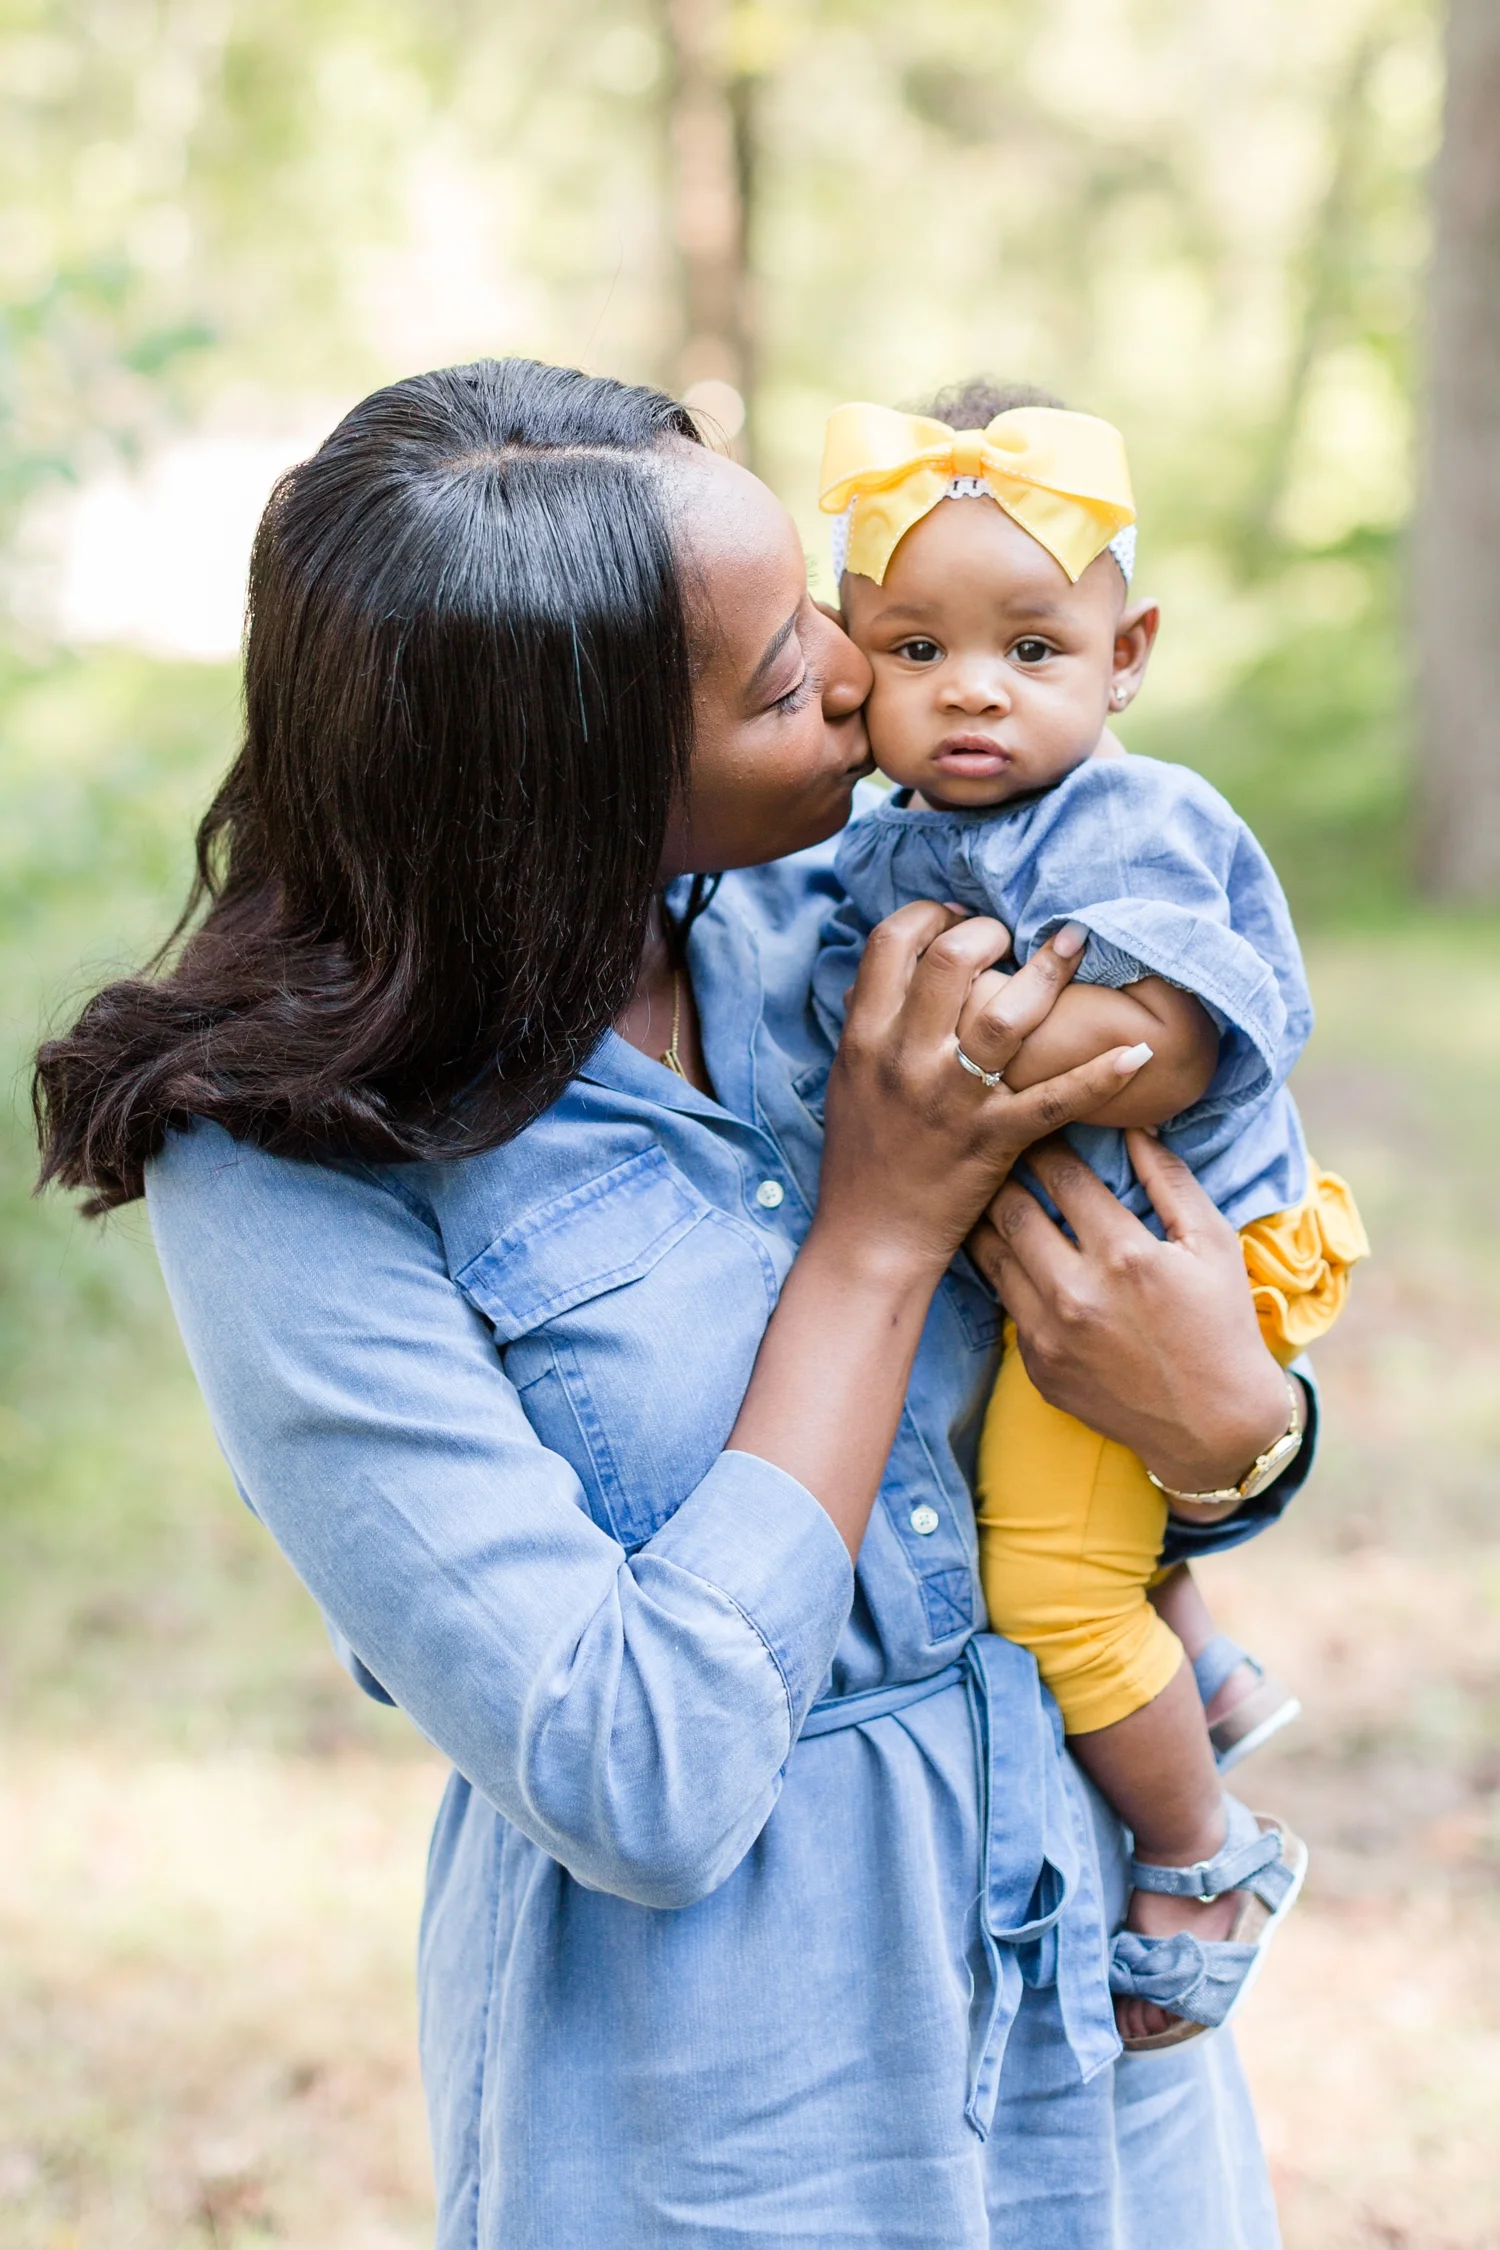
[(986, 1077)]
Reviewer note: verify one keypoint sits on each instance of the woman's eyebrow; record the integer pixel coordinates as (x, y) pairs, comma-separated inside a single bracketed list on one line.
[(773, 649)]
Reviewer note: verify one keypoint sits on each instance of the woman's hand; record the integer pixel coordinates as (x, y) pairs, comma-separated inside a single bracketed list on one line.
[(915, 1148), (916, 1145), (1154, 1344)]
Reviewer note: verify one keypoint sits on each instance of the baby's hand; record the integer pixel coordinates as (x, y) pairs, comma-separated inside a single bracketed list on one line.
[(1089, 1019)]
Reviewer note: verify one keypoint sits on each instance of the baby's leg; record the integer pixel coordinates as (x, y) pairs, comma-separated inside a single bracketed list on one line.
[(1244, 1704), (1070, 1531), (1157, 1770), (1177, 1598)]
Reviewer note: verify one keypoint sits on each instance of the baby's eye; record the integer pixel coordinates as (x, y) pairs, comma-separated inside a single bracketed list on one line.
[(1032, 651), (920, 651)]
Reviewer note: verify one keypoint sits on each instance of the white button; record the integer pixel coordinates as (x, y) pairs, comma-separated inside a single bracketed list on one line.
[(770, 1195), (924, 1519)]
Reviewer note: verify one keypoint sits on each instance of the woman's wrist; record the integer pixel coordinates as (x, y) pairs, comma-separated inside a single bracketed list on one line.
[(888, 1266), (1227, 1439)]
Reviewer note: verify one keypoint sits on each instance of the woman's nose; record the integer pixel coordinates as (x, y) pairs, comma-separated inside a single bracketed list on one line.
[(847, 677)]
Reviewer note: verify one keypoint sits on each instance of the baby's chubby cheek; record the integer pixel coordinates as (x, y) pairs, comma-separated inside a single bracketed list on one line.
[(900, 733)]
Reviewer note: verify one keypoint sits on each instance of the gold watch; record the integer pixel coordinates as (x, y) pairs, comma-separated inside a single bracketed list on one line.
[(1263, 1470)]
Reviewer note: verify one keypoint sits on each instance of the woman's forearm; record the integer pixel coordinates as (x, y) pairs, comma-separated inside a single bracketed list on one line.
[(915, 1146), (830, 1378), (1219, 1512)]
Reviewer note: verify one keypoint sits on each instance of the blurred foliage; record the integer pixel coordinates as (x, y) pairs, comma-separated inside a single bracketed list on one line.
[(217, 216), (123, 1596), (1310, 740), (1202, 220)]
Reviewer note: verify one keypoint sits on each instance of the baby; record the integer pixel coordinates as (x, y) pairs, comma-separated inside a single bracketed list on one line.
[(984, 553)]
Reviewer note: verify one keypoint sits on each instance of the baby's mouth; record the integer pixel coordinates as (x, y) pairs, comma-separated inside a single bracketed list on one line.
[(972, 757)]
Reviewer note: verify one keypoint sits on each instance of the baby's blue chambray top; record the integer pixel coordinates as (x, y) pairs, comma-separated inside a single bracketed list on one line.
[(685, 1978), (1169, 882)]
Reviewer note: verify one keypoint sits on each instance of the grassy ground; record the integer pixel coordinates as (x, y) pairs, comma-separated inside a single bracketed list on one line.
[(214, 1847), (1375, 2044)]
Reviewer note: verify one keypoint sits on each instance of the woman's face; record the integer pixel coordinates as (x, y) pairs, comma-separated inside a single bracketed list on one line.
[(778, 736)]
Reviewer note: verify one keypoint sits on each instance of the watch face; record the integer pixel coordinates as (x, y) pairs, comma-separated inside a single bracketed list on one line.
[(1270, 1465)]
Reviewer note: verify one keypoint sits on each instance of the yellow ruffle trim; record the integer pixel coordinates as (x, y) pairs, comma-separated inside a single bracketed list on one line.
[(1299, 1262)]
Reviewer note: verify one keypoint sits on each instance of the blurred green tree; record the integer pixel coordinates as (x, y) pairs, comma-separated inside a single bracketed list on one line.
[(1204, 221), (710, 197)]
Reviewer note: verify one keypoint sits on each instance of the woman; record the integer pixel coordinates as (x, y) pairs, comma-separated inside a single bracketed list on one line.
[(574, 1364)]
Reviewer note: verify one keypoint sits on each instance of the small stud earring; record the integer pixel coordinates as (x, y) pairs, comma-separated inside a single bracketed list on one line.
[(1117, 699)]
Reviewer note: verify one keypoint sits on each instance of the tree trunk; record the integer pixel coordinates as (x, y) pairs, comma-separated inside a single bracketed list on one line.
[(710, 174), (1458, 525)]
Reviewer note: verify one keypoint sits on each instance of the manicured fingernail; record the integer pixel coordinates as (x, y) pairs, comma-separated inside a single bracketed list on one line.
[(954, 907), (1132, 1059), (1070, 939)]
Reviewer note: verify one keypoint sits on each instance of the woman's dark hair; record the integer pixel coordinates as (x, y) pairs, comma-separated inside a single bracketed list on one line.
[(423, 887), (972, 404)]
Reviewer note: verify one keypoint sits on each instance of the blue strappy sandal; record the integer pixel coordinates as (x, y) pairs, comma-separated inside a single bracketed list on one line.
[(1204, 1981), (1268, 1707)]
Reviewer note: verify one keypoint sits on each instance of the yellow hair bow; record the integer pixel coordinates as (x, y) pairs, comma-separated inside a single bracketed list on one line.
[(1063, 477)]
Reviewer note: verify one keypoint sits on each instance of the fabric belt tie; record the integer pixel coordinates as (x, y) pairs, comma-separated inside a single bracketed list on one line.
[(837, 1711), (1040, 1918)]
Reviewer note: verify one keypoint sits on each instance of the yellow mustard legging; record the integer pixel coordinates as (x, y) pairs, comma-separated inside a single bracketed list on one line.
[(1070, 1525)]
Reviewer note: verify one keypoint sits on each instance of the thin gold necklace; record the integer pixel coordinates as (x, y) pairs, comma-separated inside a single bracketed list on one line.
[(671, 1058)]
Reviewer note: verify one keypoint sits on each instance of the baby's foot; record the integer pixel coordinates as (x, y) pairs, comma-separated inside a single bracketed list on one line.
[(1242, 1681), (1152, 1915), (1200, 1986), (1244, 1703), (1168, 1992)]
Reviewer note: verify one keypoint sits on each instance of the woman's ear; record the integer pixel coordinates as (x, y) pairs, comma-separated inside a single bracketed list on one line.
[(1135, 637)]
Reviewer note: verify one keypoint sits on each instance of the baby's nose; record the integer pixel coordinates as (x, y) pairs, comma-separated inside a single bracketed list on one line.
[(979, 687)]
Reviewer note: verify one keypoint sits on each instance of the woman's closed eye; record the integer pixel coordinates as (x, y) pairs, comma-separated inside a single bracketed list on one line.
[(797, 696)]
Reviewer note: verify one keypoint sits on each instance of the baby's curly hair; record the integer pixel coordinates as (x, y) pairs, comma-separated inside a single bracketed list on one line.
[(973, 403)]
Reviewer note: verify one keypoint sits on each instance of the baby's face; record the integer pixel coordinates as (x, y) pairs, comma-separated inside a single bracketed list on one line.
[(993, 674)]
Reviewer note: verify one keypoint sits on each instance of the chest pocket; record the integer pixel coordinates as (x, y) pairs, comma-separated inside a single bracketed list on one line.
[(629, 1313)]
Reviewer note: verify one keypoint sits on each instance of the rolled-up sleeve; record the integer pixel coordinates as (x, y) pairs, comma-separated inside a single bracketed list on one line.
[(630, 1713)]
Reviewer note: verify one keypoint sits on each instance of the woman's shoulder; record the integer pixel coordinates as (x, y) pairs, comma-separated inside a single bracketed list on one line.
[(231, 1206), (202, 1161)]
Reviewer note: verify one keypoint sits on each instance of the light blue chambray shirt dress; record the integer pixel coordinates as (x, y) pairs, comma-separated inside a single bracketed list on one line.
[(764, 1907), (1168, 881)]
